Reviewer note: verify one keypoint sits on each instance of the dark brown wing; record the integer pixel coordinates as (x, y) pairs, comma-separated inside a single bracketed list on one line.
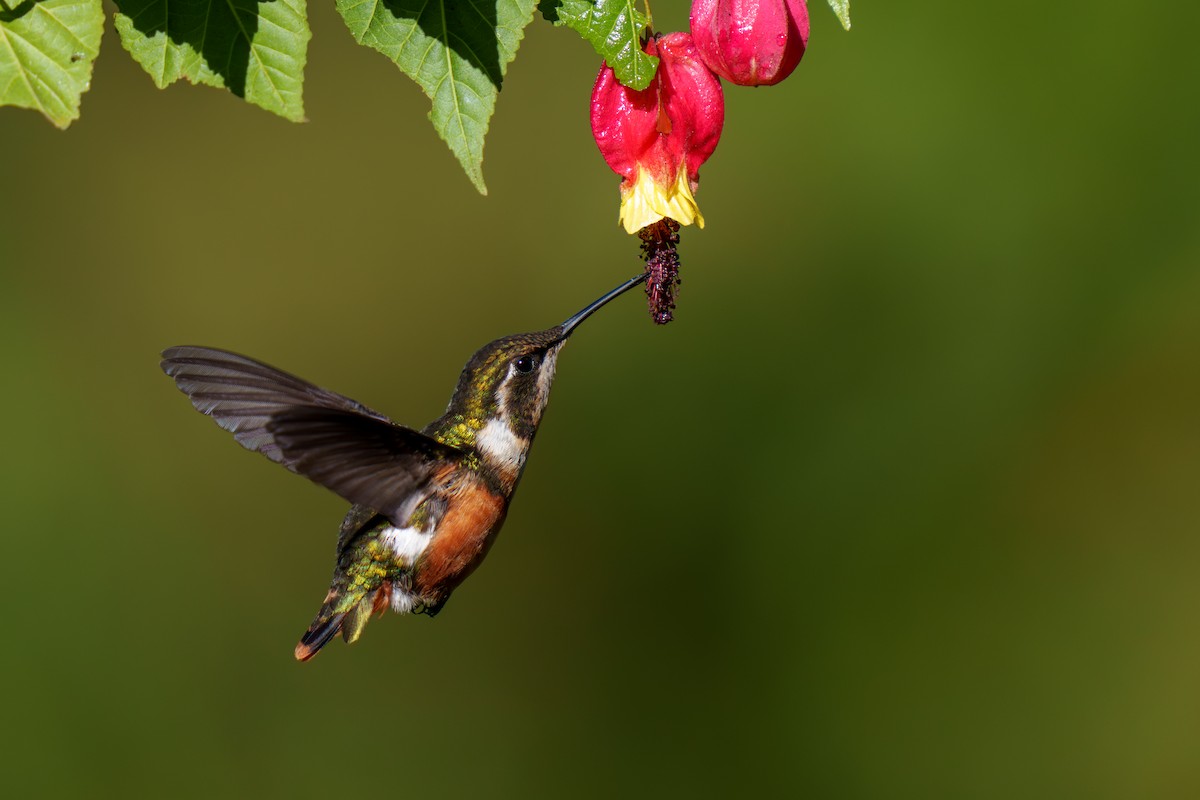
[(241, 394), (327, 437), (369, 462)]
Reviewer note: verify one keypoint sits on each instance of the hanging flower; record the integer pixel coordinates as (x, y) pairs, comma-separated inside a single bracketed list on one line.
[(750, 42), (657, 138)]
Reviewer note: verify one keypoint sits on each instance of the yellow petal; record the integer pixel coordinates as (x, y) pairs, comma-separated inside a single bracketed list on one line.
[(647, 201)]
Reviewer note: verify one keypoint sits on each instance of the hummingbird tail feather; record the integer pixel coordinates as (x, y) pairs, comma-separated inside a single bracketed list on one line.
[(347, 615), (323, 629)]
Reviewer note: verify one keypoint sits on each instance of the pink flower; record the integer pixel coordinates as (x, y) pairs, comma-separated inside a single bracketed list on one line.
[(657, 138), (750, 42)]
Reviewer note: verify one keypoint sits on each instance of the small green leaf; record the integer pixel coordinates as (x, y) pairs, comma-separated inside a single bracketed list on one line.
[(615, 29), (457, 51), (46, 52), (842, 9), (256, 50)]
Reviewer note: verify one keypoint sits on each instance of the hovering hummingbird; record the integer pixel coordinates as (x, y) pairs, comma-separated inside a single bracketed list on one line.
[(426, 505)]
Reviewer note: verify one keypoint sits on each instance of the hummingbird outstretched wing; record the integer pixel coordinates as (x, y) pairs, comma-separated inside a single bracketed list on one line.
[(337, 442), (371, 462)]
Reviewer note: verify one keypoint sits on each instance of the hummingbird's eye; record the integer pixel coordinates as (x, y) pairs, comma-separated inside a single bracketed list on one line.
[(525, 364)]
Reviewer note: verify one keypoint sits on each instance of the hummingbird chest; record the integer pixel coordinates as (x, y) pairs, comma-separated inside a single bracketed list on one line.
[(464, 536), (445, 542)]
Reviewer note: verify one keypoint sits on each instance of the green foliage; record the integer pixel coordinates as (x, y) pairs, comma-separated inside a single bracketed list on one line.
[(614, 28), (254, 49), (842, 9), (456, 50), (46, 52)]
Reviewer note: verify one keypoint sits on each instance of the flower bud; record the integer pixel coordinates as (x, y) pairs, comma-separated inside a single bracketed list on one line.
[(750, 42), (657, 138)]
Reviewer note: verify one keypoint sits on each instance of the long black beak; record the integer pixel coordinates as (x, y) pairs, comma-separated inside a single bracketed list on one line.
[(574, 321)]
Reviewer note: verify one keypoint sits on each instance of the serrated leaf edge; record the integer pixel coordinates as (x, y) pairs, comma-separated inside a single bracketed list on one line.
[(70, 112), (194, 60)]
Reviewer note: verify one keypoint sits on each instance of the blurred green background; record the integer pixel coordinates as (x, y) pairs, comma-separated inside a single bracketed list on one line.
[(904, 504)]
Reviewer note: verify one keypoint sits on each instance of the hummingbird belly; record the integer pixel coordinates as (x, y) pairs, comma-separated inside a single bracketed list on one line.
[(459, 542), (406, 546)]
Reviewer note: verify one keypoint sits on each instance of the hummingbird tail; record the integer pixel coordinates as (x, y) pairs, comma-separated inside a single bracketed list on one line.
[(341, 614), (323, 629)]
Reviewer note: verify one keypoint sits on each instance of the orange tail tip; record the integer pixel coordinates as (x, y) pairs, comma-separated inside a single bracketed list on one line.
[(349, 623), (317, 636)]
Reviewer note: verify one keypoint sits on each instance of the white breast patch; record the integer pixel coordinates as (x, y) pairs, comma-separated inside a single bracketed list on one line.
[(406, 544), (501, 446)]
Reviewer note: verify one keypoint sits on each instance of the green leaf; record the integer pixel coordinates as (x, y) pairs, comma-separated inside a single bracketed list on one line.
[(615, 29), (256, 50), (456, 50), (842, 9), (46, 52)]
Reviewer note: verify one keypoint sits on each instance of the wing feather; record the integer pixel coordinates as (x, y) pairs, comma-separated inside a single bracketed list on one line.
[(242, 394), (370, 462), (337, 442)]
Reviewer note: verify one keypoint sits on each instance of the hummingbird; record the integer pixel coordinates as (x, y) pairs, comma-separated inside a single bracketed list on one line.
[(426, 505)]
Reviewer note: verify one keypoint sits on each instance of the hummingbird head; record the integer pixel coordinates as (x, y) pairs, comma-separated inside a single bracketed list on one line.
[(503, 390)]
